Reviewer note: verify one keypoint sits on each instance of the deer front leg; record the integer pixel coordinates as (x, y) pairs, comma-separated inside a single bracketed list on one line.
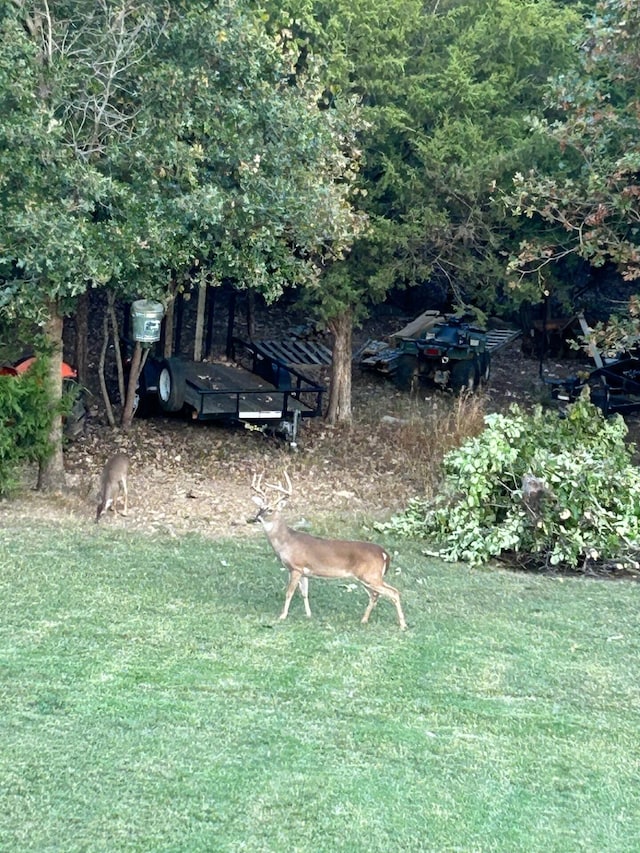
[(294, 579), (126, 496), (303, 584)]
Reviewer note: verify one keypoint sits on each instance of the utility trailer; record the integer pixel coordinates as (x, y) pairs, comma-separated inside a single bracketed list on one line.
[(256, 388), (614, 387), (614, 383)]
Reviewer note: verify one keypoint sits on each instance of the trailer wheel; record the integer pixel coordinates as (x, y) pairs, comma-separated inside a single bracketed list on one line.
[(599, 395), (406, 373), (484, 367), (171, 385), (464, 375)]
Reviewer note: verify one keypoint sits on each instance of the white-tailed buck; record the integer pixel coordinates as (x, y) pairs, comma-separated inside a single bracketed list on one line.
[(112, 481), (306, 556)]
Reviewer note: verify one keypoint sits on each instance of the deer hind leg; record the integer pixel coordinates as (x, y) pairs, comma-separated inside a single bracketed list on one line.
[(123, 484), (373, 600), (295, 580), (385, 589)]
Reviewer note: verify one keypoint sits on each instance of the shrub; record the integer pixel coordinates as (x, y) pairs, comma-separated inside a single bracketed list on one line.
[(25, 421), (587, 512)]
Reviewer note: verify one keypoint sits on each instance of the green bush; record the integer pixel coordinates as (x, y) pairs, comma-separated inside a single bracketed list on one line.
[(25, 421), (588, 512)]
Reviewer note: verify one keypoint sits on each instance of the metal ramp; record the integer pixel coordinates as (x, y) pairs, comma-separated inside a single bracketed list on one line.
[(295, 351), (499, 338)]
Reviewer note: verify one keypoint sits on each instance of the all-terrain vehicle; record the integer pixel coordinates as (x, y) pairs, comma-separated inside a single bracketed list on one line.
[(453, 355), (448, 351)]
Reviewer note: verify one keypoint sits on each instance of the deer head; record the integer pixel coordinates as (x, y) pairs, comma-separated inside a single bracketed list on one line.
[(273, 503)]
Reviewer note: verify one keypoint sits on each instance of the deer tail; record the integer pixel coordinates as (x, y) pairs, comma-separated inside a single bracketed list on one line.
[(386, 559)]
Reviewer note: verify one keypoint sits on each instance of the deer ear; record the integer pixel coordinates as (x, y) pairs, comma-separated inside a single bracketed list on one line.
[(257, 501)]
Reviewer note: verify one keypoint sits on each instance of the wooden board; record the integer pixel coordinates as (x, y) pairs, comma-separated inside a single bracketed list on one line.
[(414, 329)]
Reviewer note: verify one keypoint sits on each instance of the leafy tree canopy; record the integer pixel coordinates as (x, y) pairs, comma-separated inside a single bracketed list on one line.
[(446, 88), (590, 201), (140, 139)]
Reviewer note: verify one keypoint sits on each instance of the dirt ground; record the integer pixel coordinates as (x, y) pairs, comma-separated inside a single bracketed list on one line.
[(187, 476)]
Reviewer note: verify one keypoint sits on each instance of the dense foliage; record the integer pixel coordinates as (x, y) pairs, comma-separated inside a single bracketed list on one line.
[(446, 88), (25, 421), (587, 511), (590, 202), (141, 144), (140, 141)]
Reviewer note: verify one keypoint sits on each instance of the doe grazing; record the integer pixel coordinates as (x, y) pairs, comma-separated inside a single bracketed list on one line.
[(113, 481), (306, 556)]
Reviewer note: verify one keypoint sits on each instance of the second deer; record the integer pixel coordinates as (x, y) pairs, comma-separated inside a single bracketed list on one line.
[(112, 482), (306, 556)]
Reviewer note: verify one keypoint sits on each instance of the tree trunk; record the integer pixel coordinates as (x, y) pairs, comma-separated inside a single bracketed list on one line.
[(101, 365), (82, 340), (167, 346), (137, 363), (51, 470), (251, 314), (202, 302), (111, 311), (339, 410)]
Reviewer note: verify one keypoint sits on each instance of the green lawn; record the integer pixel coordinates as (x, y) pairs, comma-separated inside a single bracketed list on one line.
[(150, 700)]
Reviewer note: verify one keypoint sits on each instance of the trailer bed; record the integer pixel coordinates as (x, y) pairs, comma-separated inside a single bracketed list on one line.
[(215, 390), (253, 388)]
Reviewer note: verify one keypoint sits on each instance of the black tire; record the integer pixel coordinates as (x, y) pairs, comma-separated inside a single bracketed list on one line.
[(464, 375), (484, 368), (406, 373), (599, 395), (148, 399), (171, 385)]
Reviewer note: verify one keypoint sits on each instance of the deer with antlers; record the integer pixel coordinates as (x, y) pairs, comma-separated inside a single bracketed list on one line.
[(306, 556)]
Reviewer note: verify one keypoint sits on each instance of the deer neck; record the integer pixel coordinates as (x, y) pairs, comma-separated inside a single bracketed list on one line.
[(276, 530)]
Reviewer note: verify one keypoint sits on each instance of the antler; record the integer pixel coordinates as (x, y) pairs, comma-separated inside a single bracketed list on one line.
[(256, 485), (278, 487)]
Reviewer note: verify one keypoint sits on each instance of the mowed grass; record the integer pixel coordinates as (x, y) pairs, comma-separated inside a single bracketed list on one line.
[(151, 701)]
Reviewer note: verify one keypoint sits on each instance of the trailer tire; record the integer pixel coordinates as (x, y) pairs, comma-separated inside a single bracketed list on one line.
[(484, 368), (599, 395), (171, 385), (406, 373), (464, 375)]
